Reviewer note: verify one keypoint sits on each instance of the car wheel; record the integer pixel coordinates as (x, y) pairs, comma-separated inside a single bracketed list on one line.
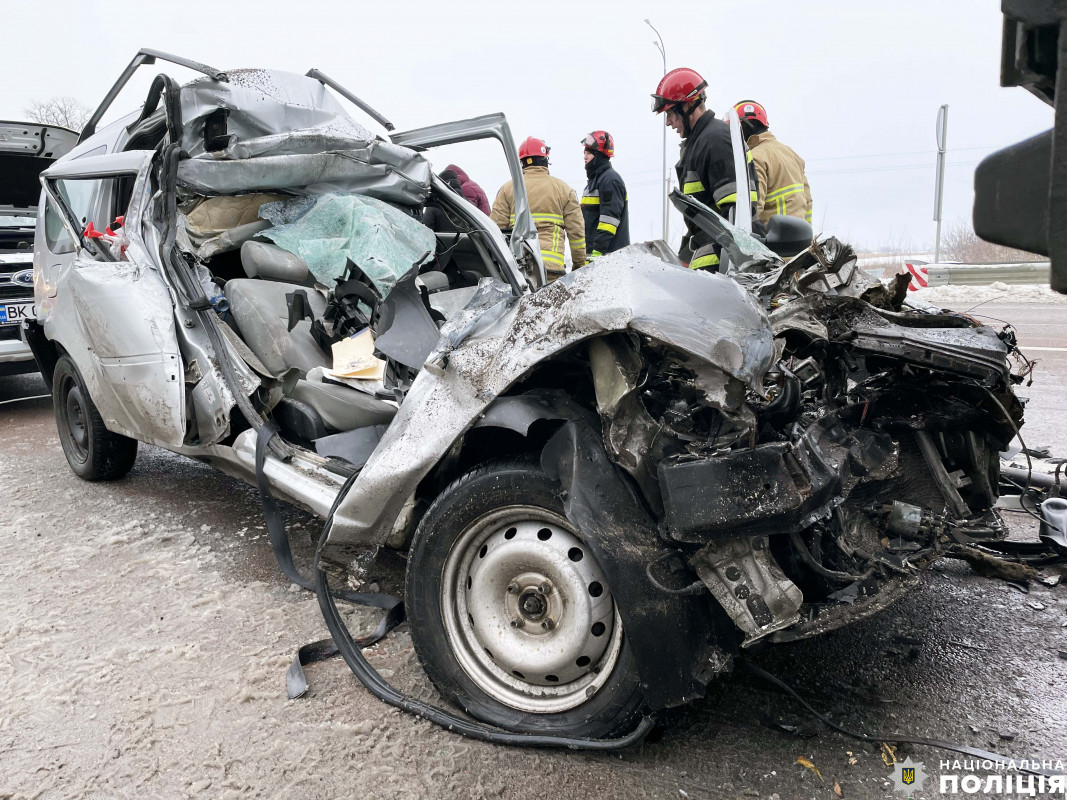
[(511, 615), (93, 452)]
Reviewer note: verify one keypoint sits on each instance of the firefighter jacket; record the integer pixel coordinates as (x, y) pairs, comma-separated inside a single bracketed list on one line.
[(783, 186), (555, 213), (606, 208), (706, 173)]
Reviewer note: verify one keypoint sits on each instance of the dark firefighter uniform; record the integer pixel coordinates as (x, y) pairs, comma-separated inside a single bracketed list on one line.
[(605, 207), (706, 173)]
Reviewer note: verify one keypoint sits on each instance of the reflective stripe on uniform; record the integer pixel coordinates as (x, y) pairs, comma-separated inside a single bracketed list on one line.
[(753, 196), (692, 183), (779, 196), (732, 198), (704, 261), (792, 188), (556, 219), (807, 217), (552, 257), (589, 200), (512, 219), (578, 244), (727, 193), (607, 226)]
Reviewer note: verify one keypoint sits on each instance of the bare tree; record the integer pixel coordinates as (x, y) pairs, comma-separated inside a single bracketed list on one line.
[(60, 110), (960, 243)]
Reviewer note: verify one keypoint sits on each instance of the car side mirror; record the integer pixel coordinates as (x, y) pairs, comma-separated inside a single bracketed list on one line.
[(787, 235)]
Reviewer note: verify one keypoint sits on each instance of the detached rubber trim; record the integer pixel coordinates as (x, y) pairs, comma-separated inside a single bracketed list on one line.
[(377, 686), (349, 648), (295, 681)]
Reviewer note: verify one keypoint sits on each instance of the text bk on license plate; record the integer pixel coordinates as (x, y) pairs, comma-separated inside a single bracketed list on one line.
[(14, 312)]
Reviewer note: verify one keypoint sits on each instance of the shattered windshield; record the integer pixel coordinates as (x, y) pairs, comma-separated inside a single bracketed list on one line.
[(328, 231)]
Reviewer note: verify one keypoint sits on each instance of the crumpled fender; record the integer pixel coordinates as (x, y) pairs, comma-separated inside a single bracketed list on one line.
[(705, 315), (672, 636)]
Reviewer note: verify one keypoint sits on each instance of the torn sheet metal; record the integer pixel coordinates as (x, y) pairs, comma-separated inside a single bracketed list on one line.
[(355, 446), (333, 229), (519, 412), (380, 170), (266, 130), (488, 304), (266, 112), (707, 317), (406, 331)]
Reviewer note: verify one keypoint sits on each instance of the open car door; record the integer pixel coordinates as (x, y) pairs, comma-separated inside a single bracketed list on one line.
[(109, 297), (524, 244)]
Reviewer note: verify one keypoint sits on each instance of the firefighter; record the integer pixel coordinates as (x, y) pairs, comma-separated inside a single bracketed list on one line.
[(553, 205), (605, 204), (783, 186), (706, 166)]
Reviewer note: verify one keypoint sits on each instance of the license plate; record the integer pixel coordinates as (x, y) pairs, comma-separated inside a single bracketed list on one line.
[(14, 312)]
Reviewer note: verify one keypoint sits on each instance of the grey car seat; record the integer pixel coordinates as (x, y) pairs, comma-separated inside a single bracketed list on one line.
[(260, 311)]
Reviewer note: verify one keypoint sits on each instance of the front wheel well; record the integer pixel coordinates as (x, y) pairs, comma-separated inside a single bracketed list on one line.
[(45, 351), (566, 381)]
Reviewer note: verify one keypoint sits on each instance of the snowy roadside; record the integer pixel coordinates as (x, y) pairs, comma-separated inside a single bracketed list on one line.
[(1003, 293)]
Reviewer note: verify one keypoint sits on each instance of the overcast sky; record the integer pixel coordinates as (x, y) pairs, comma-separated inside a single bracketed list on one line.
[(853, 89)]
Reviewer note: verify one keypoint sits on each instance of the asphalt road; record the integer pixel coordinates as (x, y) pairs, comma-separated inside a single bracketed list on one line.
[(145, 631)]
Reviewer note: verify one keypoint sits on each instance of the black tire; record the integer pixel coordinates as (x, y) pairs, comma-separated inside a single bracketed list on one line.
[(489, 493), (93, 452)]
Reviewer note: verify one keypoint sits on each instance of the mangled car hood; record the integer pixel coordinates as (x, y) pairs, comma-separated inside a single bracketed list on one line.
[(708, 317)]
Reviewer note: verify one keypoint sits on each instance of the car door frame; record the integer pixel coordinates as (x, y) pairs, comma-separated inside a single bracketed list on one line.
[(115, 317), (523, 245)]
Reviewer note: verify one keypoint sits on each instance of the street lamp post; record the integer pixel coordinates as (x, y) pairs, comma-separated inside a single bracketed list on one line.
[(666, 175)]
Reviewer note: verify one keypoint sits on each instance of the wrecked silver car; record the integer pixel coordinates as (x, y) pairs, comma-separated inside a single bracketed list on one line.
[(605, 487)]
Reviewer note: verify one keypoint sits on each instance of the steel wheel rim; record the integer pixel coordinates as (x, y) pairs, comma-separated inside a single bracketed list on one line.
[(504, 569), (74, 419)]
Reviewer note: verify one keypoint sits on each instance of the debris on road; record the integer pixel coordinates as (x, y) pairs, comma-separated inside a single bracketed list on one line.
[(990, 566), (808, 764)]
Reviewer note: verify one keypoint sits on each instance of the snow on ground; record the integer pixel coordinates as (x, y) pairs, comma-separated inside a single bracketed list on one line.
[(1022, 293)]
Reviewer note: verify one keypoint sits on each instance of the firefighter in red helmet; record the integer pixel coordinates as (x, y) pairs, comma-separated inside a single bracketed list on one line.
[(605, 204), (553, 205), (783, 186), (706, 166)]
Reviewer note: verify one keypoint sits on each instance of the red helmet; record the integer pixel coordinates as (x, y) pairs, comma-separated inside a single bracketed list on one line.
[(533, 147), (600, 142), (678, 86), (750, 109)]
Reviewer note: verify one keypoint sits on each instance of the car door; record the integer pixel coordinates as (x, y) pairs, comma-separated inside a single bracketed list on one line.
[(524, 245), (110, 308)]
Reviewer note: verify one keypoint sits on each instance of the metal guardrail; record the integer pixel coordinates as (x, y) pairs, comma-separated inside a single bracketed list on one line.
[(984, 274)]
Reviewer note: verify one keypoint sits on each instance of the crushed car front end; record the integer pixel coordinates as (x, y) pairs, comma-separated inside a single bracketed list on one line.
[(605, 488)]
